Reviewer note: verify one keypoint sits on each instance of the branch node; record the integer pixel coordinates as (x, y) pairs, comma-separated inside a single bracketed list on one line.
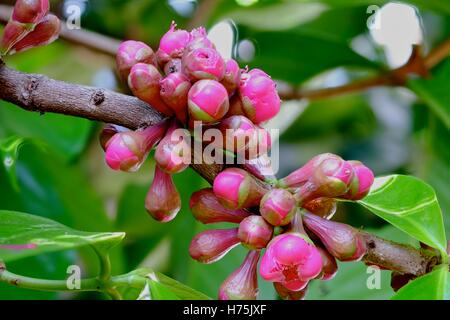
[(98, 97)]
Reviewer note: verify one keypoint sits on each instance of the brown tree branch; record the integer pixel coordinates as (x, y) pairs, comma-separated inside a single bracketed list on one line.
[(38, 93)]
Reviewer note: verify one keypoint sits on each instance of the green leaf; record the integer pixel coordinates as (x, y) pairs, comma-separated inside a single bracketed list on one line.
[(432, 286), (159, 291), (434, 91), (24, 235), (296, 56), (176, 288), (409, 204), (9, 152)]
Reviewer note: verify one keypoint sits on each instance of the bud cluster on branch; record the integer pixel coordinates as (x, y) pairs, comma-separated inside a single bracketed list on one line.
[(187, 80)]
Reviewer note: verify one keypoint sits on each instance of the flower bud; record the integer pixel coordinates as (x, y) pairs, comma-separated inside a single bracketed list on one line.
[(173, 153), (278, 206), (292, 260), (174, 92), (342, 241), (361, 182), (330, 267), (260, 144), (14, 31), (127, 150), (144, 82), (236, 189), (331, 179), (173, 66), (322, 207), (236, 107), (203, 63), (259, 96), (303, 174), (261, 168), (163, 201), (232, 76), (254, 232), (108, 132), (44, 33), (131, 53), (287, 294), (242, 284), (211, 245), (199, 39), (30, 11), (206, 208), (237, 132), (207, 101), (172, 44)]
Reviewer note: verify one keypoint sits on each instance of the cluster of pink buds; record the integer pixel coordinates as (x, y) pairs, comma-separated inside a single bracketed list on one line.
[(289, 221), (31, 25), (285, 224), (187, 80)]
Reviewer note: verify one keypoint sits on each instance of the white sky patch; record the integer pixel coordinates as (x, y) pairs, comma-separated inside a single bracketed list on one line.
[(397, 28), (223, 36)]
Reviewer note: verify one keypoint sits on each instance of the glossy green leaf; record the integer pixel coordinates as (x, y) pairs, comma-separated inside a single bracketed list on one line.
[(409, 204), (9, 152), (434, 91), (432, 286), (176, 288), (24, 235), (159, 291)]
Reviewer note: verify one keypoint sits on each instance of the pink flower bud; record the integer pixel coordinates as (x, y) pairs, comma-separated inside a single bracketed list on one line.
[(259, 96), (261, 168), (163, 201), (254, 232), (144, 82), (330, 267), (199, 39), (341, 240), (207, 101), (242, 284), (174, 92), (173, 66), (30, 11), (331, 178), (322, 207), (44, 33), (278, 206), (237, 132), (303, 174), (13, 33), (172, 44), (211, 245), (361, 183), (127, 150), (108, 132), (173, 154), (206, 208), (131, 53), (232, 76), (292, 260), (287, 294), (260, 144), (203, 63), (236, 189)]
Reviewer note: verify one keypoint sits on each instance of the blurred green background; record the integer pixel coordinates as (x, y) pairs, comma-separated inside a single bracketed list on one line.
[(305, 43)]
